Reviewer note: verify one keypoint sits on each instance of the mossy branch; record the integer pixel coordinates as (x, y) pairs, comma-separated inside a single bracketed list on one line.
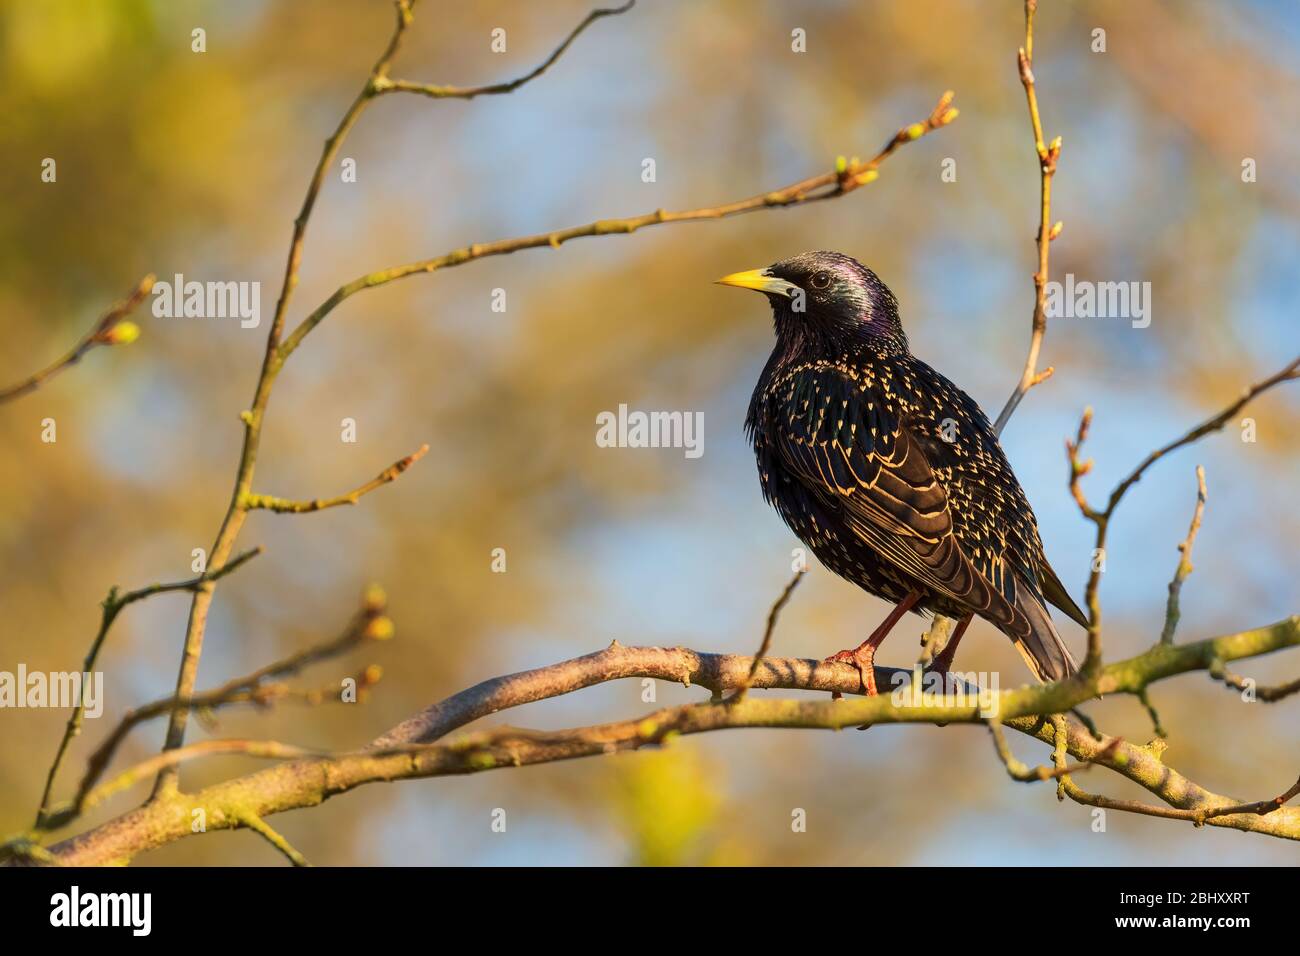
[(416, 748)]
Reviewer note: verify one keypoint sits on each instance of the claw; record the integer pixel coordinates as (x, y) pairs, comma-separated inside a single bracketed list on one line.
[(862, 658)]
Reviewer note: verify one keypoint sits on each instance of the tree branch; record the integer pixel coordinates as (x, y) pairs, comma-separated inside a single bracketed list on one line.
[(386, 476), (414, 749), (113, 605), (1047, 154), (384, 85), (235, 514), (1023, 773), (1079, 468), (1289, 373), (845, 178), (110, 329), (1198, 816), (1269, 695), (261, 827), (369, 624), (766, 644), (1172, 610)]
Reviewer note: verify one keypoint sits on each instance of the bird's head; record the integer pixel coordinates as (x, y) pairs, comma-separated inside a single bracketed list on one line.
[(826, 301)]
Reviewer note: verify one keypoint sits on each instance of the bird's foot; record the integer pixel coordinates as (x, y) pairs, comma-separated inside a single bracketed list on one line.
[(863, 659)]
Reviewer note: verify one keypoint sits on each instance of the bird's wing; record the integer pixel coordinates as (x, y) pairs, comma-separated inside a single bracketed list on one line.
[(992, 519), (851, 450)]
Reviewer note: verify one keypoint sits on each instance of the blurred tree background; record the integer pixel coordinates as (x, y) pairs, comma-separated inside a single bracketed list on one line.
[(172, 161)]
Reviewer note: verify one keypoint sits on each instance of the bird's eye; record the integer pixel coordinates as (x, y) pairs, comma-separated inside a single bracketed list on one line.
[(820, 280)]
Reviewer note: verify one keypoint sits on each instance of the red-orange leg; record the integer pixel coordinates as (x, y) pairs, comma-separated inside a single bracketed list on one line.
[(943, 663), (863, 656)]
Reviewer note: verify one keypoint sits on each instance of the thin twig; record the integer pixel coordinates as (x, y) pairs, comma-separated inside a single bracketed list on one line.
[(384, 85), (113, 605), (766, 643), (1023, 773), (109, 329), (1172, 610), (262, 828), (830, 185), (283, 505), (1047, 155), (941, 628), (935, 639), (1261, 808), (1102, 518), (1268, 695), (1198, 816), (1290, 373), (369, 624), (1144, 698), (261, 749)]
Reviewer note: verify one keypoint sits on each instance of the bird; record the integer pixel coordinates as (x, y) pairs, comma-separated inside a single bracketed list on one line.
[(891, 474)]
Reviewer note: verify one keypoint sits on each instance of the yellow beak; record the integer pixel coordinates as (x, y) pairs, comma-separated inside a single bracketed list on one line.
[(759, 280)]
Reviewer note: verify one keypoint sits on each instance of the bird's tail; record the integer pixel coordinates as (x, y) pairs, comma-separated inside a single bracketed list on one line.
[(1043, 649)]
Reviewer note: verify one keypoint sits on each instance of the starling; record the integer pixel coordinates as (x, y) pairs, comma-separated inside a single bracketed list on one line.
[(890, 473)]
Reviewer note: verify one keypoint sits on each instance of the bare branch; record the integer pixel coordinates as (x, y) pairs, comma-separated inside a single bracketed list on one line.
[(1023, 773), (941, 629), (233, 521), (1269, 695), (1172, 611), (384, 85), (1102, 518), (113, 605), (389, 474), (1198, 816), (110, 329), (414, 749), (1262, 807), (766, 643), (1047, 154), (262, 828), (370, 624), (935, 639), (831, 185), (1290, 373), (1144, 698)]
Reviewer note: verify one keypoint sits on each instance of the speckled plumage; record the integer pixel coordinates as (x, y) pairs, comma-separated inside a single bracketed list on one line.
[(890, 473)]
